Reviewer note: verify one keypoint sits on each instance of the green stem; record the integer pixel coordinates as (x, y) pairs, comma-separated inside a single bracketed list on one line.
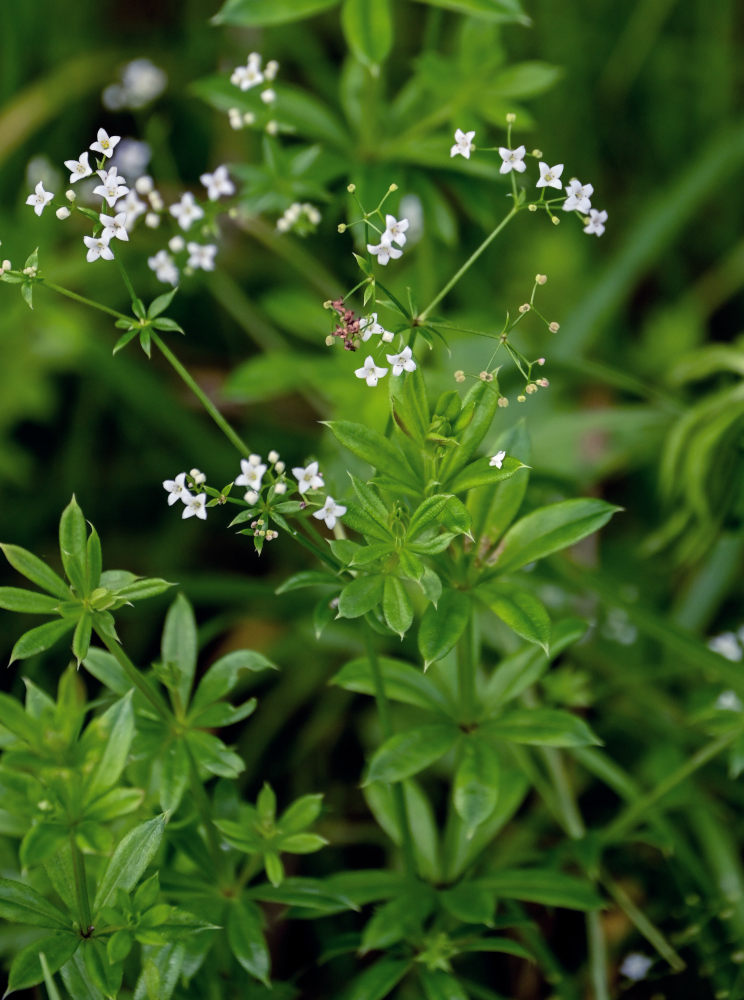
[(468, 263), (597, 956), (466, 670), (142, 684), (81, 299), (206, 402), (652, 934), (81, 885), (396, 789)]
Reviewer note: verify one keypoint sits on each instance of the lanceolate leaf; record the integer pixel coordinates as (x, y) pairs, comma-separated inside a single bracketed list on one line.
[(489, 10), (372, 447), (26, 969), (72, 546), (401, 682), (36, 640), (519, 609), (20, 904), (376, 982), (482, 473), (541, 727), (360, 596), (476, 787), (542, 885), (440, 985), (368, 27), (179, 645), (36, 571), (408, 753), (256, 13), (396, 606), (130, 859), (246, 939), (410, 405), (442, 626), (27, 601), (224, 674)]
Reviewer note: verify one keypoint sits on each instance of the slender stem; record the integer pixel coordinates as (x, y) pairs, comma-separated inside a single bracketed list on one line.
[(206, 402), (81, 299), (396, 789), (468, 263), (466, 670), (81, 885), (142, 684), (571, 816), (652, 934), (597, 956)]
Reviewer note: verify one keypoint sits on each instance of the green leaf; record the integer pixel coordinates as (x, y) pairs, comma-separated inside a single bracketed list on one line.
[(27, 601), (525, 79), (541, 727), (421, 822), (396, 606), (93, 560), (397, 920), (179, 646), (246, 939), (307, 578), (256, 13), (368, 28), (36, 571), (488, 10), (124, 339), (140, 590), (401, 682), (486, 401), (213, 755), (405, 754), (371, 447), (476, 785), (360, 596), (174, 775), (130, 859), (440, 985), (38, 639), (427, 515), (21, 904), (302, 843), (482, 473), (116, 726), (72, 546), (26, 969), (160, 304), (519, 609), (376, 982), (542, 885), (224, 675), (472, 904), (371, 504), (442, 626), (410, 406), (550, 529), (41, 842), (301, 814), (81, 637)]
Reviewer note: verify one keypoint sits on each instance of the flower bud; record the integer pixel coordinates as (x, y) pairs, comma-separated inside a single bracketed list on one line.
[(152, 221), (503, 401), (279, 468), (280, 489), (198, 476), (459, 375), (249, 118), (70, 195), (342, 227), (485, 376), (393, 187), (387, 337), (541, 361), (268, 96), (273, 456), (530, 388), (254, 459), (176, 244), (330, 340), (538, 153), (540, 279), (532, 208), (511, 118), (543, 383), (521, 399), (143, 185), (63, 213), (250, 496), (272, 128), (554, 327), (525, 308), (351, 188)]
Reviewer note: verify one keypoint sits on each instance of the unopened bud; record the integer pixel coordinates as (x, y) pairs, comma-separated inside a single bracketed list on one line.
[(327, 304), (330, 340), (524, 308), (279, 468), (554, 327), (70, 195), (511, 118), (538, 153), (521, 399), (144, 185), (254, 459), (176, 244), (393, 187), (351, 188), (250, 496), (530, 388), (485, 376), (152, 221), (268, 96), (63, 213), (555, 220), (198, 476), (249, 118), (280, 489), (540, 279), (387, 337), (532, 208), (272, 128), (459, 375), (273, 457), (503, 402), (543, 383), (342, 227), (541, 361)]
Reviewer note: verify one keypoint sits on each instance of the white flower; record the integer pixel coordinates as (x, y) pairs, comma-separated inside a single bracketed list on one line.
[(144, 184), (105, 143), (176, 488), (370, 325), (164, 267), (152, 220), (40, 199), (595, 226), (579, 196), (384, 251), (143, 81), (498, 459), (114, 227), (249, 75), (729, 701), (395, 230), (370, 372), (513, 159), (63, 213), (79, 168), (194, 506), (727, 645), (635, 966), (271, 69), (268, 96), (250, 496), (308, 478), (550, 176), (218, 183), (176, 244), (463, 144), (251, 475), (402, 362), (329, 512), (201, 257), (132, 207), (97, 248), (186, 211), (112, 187)]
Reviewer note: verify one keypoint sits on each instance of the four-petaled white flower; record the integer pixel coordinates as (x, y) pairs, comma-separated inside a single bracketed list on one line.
[(176, 488), (195, 506), (308, 478), (329, 512), (218, 183), (498, 459), (369, 325), (133, 207), (579, 196), (97, 247), (384, 251), (402, 362), (164, 267), (201, 257), (370, 372), (513, 159), (463, 144), (249, 75), (596, 226), (112, 187), (105, 143), (40, 199), (395, 230), (550, 176), (114, 227), (186, 211), (251, 475), (79, 168), (635, 966)]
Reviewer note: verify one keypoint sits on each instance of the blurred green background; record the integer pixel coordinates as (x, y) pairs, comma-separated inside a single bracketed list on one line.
[(641, 99)]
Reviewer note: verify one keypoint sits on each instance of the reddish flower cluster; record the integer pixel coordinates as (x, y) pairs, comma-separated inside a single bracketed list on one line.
[(348, 328)]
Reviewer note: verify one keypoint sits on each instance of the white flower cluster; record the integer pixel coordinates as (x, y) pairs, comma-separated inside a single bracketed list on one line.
[(177, 489), (578, 195), (140, 82), (246, 78), (297, 216), (401, 362), (395, 232)]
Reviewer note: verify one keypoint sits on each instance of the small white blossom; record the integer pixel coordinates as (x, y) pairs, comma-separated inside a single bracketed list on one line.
[(402, 362), (186, 211), (729, 701), (133, 207), (370, 372), (249, 75), (201, 257), (105, 143), (250, 496), (308, 478), (271, 69), (152, 220), (550, 176), (280, 489), (198, 476), (498, 459), (463, 144), (62, 213), (595, 226), (218, 183), (384, 251), (235, 118), (636, 966), (114, 227), (195, 506), (97, 248), (176, 488), (79, 168), (268, 96), (369, 325), (142, 81), (176, 244), (513, 159), (251, 475), (726, 644), (395, 230), (112, 187), (144, 184), (40, 199), (272, 127), (164, 267), (579, 196), (329, 512)]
